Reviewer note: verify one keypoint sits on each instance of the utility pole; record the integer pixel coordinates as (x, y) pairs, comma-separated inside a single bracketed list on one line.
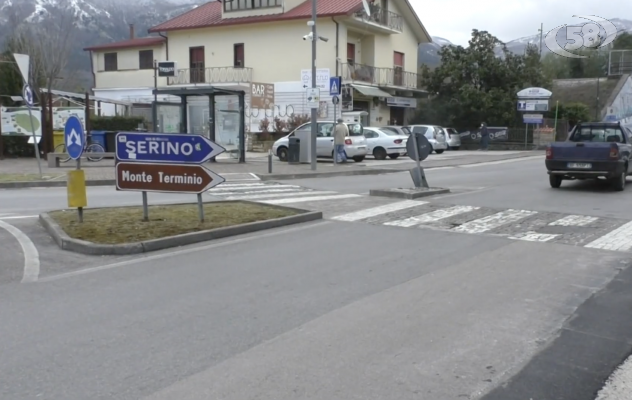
[(314, 110), (541, 33)]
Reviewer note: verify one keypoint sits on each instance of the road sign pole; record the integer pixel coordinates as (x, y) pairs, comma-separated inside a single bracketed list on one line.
[(145, 208), (314, 110), (79, 209), (37, 154), (334, 132), (526, 134), (200, 207), (419, 174)]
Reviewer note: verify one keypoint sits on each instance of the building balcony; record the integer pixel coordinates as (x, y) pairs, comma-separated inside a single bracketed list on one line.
[(369, 75), (380, 20), (211, 75)]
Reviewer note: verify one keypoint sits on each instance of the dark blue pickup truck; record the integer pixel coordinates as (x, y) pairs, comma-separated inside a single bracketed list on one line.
[(593, 150)]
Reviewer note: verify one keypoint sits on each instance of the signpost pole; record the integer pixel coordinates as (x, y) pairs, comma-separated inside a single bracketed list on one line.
[(526, 134), (419, 175), (314, 116), (557, 104), (334, 132), (79, 209), (37, 153), (200, 207), (145, 208), (154, 111)]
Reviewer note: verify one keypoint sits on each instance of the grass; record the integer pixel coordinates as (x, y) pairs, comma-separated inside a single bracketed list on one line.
[(27, 177), (583, 91), (125, 224)]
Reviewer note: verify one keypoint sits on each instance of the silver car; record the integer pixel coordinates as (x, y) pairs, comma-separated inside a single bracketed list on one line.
[(453, 138), (384, 142), (434, 134)]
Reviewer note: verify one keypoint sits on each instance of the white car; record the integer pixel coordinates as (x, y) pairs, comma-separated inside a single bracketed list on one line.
[(434, 134), (384, 142), (453, 138), (355, 143)]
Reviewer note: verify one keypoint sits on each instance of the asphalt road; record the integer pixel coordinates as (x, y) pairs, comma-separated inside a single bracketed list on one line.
[(327, 310)]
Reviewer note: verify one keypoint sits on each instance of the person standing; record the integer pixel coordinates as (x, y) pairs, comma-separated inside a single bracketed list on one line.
[(340, 134), (484, 137)]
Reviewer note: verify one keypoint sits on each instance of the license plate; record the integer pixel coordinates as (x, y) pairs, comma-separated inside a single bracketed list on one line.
[(579, 165)]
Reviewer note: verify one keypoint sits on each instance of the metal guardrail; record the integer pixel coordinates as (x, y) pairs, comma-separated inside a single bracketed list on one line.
[(382, 16), (620, 62), (211, 75), (379, 76)]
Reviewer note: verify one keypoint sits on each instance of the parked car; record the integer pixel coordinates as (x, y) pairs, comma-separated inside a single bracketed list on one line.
[(355, 143), (453, 138), (383, 142), (400, 130), (434, 134), (592, 150)]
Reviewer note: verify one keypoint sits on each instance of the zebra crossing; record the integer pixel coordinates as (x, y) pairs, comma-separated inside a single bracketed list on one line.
[(274, 193), (527, 225)]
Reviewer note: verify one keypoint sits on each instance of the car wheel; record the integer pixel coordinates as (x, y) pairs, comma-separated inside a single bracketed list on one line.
[(282, 153), (393, 156), (379, 153), (439, 151), (618, 183), (555, 181), (358, 158)]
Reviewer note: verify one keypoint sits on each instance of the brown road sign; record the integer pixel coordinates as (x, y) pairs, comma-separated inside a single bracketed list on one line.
[(174, 178)]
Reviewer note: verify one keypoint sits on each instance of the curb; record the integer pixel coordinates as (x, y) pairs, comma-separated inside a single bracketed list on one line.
[(409, 194), (44, 184), (65, 242)]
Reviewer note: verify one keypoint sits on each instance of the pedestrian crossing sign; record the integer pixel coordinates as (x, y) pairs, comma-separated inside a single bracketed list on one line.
[(334, 85)]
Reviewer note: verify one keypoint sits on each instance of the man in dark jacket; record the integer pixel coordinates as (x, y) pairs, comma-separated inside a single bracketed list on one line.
[(484, 137)]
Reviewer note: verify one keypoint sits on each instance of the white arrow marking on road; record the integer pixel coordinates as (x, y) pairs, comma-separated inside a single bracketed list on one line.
[(31, 255)]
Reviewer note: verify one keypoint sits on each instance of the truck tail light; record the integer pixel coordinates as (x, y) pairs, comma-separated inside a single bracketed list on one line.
[(549, 152), (614, 151), (348, 141), (398, 141)]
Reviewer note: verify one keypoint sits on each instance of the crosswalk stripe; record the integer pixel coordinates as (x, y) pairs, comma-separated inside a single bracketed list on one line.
[(374, 212), (618, 239), (269, 196), (314, 198), (239, 187), (432, 216), (254, 191), (493, 221), (574, 220), (535, 237)]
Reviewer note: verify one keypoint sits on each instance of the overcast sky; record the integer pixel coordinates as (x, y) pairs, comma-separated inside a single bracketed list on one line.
[(509, 19)]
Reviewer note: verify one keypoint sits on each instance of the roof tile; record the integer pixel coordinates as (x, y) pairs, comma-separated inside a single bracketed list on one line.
[(210, 14)]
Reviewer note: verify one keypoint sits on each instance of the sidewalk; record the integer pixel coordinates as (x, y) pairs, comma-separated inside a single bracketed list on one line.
[(23, 172)]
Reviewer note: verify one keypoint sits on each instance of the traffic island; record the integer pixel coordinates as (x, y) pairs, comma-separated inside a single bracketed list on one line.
[(408, 193), (121, 230)]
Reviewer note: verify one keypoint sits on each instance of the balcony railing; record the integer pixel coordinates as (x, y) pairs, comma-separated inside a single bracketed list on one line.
[(382, 16), (192, 76), (379, 76)]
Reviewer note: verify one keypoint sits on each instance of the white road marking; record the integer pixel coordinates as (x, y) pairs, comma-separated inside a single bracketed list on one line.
[(574, 220), (269, 196), (247, 187), (254, 176), (619, 384), (511, 160), (31, 255), (493, 221), (375, 211), (307, 199), (618, 239), (432, 216), (238, 185), (254, 191), (534, 237), (228, 242), (438, 168), (20, 217)]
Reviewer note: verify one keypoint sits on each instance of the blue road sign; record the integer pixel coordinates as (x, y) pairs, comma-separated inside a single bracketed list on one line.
[(165, 148), (334, 85), (74, 137), (27, 95)]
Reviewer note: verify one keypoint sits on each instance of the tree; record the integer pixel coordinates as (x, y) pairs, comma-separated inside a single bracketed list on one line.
[(473, 84), (623, 42)]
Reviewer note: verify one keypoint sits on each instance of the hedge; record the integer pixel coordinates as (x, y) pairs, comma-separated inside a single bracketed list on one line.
[(115, 123)]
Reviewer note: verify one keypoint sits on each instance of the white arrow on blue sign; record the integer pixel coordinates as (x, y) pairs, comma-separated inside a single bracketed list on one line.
[(165, 148), (74, 137), (334, 86), (27, 95)]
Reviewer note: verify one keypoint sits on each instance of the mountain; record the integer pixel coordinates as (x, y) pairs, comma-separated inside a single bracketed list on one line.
[(96, 22), (428, 52)]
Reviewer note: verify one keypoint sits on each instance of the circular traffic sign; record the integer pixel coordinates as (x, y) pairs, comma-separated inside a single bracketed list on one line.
[(27, 95), (74, 137), (423, 146), (335, 99)]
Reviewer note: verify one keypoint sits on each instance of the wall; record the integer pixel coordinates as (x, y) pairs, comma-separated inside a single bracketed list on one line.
[(621, 107), (128, 75), (405, 42), (275, 51)]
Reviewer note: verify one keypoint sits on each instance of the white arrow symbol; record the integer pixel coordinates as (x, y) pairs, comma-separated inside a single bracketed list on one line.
[(74, 138)]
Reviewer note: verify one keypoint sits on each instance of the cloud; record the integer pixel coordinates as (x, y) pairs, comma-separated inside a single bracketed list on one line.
[(508, 20)]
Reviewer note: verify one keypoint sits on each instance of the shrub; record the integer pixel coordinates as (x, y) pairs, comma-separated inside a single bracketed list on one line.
[(279, 125), (264, 125), (296, 120)]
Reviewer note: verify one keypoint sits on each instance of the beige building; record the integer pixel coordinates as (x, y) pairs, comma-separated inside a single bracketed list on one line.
[(244, 42)]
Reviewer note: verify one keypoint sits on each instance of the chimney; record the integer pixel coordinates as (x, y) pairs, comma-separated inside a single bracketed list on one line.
[(131, 31)]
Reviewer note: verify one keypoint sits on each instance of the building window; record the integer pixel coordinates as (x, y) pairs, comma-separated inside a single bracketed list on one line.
[(111, 61), (240, 5), (239, 61), (146, 59), (351, 53)]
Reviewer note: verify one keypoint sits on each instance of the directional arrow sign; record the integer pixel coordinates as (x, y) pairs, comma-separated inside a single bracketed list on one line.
[(73, 137), (173, 178), (165, 148)]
